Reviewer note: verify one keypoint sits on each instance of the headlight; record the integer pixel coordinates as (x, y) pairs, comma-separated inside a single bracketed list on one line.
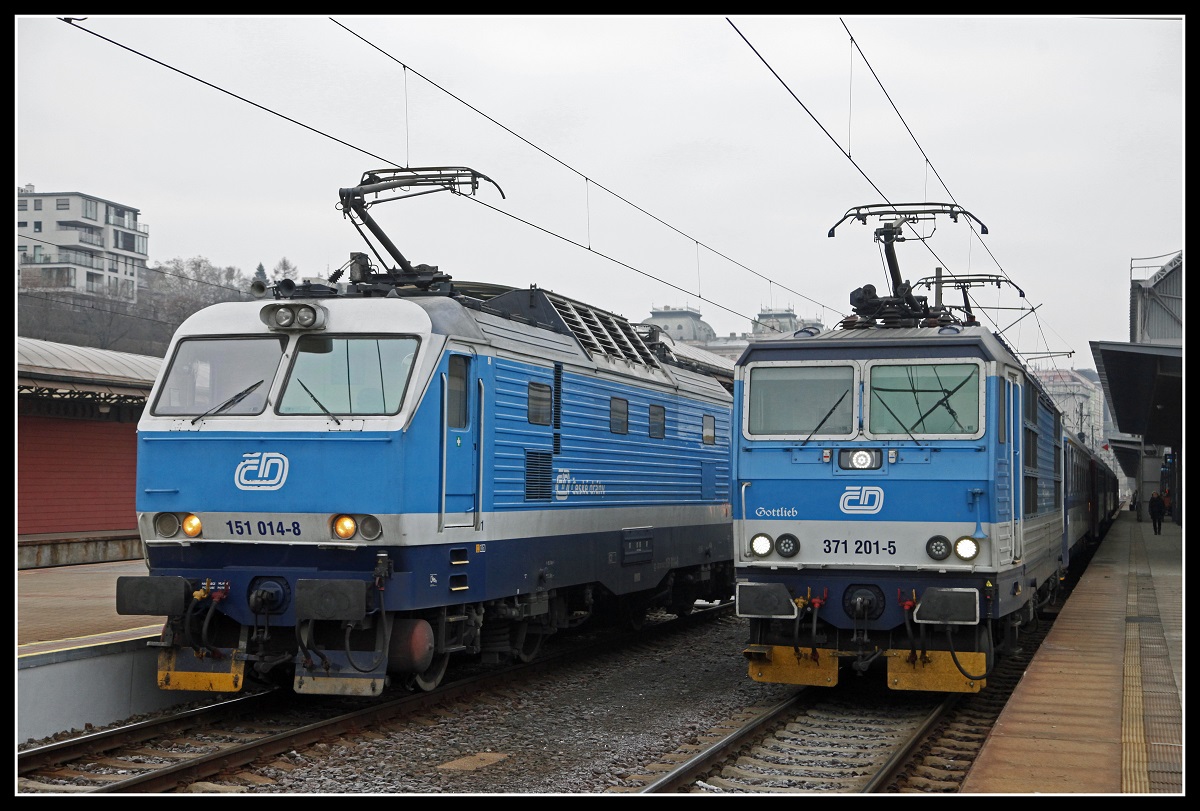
[(938, 547), (966, 547), (370, 527), (859, 458), (344, 526), (761, 545), (306, 316), (787, 545), (192, 526), (166, 525), (293, 315)]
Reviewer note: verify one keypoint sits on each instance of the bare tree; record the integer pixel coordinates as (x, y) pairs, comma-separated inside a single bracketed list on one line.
[(284, 270)]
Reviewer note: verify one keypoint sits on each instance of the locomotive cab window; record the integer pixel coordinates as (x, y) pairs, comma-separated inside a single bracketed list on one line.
[(924, 399), (809, 400), (457, 406), (219, 375), (354, 376)]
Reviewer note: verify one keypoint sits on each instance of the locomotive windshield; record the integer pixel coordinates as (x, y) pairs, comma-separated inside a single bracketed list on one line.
[(359, 375), (924, 398), (219, 375), (801, 400)]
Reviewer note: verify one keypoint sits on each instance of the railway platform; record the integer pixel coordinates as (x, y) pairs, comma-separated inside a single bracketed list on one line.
[(1100, 708)]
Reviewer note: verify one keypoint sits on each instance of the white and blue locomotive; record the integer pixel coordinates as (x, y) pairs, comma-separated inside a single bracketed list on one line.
[(342, 485), (899, 487)]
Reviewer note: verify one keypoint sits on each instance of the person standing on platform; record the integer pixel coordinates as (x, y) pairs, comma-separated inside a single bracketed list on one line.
[(1157, 509)]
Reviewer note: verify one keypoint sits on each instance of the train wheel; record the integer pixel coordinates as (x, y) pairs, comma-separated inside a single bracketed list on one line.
[(431, 677)]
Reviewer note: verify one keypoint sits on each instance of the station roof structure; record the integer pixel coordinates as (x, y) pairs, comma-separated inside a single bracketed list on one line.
[(49, 369)]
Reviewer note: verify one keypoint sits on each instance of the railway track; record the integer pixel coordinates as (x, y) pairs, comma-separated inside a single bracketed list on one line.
[(173, 751), (849, 739), (846, 741)]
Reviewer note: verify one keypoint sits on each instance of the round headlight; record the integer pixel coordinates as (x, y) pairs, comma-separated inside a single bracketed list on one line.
[(966, 547), (344, 526), (761, 545), (370, 527), (284, 317), (166, 524), (860, 460), (306, 316), (787, 545), (938, 547), (191, 526)]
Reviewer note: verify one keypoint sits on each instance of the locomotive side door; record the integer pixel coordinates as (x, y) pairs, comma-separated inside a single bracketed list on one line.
[(1015, 473), (462, 415)]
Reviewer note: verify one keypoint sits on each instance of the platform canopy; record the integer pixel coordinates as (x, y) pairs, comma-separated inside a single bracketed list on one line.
[(1143, 384)]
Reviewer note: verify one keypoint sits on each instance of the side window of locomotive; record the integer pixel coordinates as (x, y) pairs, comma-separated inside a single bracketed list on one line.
[(540, 404), (207, 373), (708, 431), (457, 406), (618, 415), (924, 398), (658, 422), (801, 400), (356, 376)]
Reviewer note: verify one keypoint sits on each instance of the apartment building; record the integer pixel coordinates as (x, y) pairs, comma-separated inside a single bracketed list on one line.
[(69, 242)]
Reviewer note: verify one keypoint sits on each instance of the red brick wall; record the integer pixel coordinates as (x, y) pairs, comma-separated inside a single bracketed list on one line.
[(75, 475)]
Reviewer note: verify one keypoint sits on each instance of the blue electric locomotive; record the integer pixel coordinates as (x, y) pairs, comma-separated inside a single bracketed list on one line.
[(898, 489), (344, 484)]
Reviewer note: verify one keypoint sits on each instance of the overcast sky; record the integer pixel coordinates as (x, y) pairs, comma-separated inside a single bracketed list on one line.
[(646, 161)]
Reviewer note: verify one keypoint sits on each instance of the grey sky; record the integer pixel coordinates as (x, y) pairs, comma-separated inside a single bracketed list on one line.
[(1063, 135)]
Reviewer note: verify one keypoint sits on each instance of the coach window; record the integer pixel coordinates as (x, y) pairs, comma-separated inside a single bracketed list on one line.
[(658, 421), (708, 431), (618, 415), (540, 403)]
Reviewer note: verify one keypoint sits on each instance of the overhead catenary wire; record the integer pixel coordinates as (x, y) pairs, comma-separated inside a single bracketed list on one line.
[(589, 180), (73, 21), (845, 152)]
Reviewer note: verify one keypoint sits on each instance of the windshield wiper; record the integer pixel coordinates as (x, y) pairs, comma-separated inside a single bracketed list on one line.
[(943, 401), (320, 405), (823, 419), (895, 416), (232, 401)]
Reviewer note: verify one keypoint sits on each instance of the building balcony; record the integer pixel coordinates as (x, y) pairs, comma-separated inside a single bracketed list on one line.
[(69, 237)]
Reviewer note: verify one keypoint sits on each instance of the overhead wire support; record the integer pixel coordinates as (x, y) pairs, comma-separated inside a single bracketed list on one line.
[(570, 168), (846, 153)]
